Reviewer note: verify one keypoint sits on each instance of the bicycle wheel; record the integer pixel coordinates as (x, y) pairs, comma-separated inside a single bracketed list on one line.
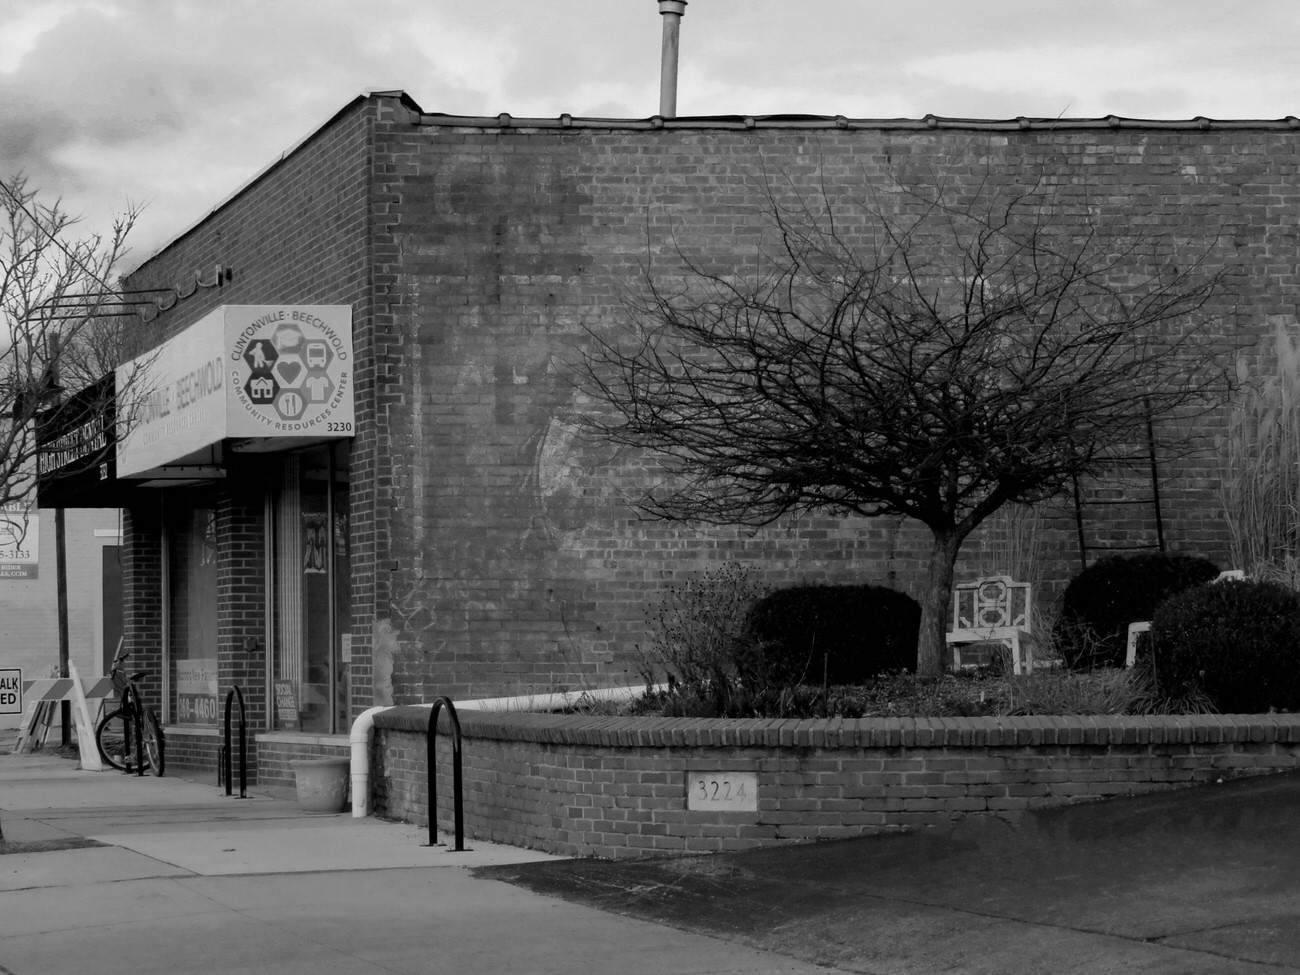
[(113, 738), (154, 743)]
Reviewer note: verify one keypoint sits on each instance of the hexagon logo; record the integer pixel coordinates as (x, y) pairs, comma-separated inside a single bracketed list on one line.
[(290, 404), (289, 370), (287, 338), (261, 389), (318, 356), (260, 356), (318, 387)]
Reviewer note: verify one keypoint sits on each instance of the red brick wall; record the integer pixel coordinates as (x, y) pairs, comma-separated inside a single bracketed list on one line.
[(198, 750), (617, 787), (518, 564), (275, 759), (269, 761)]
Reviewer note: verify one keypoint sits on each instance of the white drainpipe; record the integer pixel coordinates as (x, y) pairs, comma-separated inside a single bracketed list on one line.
[(365, 723), (361, 729)]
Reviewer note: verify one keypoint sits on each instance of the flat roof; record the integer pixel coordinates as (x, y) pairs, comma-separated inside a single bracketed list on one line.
[(505, 121)]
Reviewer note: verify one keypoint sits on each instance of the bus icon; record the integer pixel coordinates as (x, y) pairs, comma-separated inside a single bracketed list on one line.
[(318, 355)]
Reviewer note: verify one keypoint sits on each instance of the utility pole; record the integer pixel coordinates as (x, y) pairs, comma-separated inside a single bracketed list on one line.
[(61, 573)]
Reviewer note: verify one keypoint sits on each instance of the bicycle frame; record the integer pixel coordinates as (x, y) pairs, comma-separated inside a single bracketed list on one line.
[(131, 704)]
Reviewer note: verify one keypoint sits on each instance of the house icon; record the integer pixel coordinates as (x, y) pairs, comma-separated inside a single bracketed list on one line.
[(261, 390)]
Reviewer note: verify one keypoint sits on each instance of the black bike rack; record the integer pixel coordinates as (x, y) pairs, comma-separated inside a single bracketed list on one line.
[(137, 719), (223, 764), (431, 736)]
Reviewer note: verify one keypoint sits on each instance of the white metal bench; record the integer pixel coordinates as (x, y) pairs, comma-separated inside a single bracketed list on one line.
[(1144, 626), (995, 609)]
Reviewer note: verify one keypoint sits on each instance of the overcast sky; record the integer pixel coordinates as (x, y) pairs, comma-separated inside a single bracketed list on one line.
[(176, 103)]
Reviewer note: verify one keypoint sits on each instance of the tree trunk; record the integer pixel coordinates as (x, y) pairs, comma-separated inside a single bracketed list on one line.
[(936, 604)]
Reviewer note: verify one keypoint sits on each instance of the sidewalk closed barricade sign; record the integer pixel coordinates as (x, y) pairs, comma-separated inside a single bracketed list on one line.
[(11, 691)]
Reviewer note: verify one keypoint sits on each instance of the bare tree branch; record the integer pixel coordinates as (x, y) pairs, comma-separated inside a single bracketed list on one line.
[(58, 336), (930, 357)]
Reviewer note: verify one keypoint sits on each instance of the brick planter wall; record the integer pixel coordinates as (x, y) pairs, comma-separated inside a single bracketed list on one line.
[(617, 787)]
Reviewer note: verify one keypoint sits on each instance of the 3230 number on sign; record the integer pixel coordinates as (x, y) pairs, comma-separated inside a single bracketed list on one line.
[(722, 791)]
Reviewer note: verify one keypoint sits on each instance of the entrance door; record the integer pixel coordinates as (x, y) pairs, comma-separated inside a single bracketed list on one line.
[(312, 578), (192, 621)]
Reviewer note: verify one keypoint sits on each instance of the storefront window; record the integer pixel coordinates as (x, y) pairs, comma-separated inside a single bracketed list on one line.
[(192, 614), (312, 612)]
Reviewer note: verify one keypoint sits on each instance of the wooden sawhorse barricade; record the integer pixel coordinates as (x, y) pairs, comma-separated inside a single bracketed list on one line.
[(43, 695)]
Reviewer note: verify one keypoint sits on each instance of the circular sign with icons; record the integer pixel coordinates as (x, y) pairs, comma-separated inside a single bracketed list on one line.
[(293, 371)]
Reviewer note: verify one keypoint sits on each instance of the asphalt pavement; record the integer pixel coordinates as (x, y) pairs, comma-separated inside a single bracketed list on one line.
[(115, 873)]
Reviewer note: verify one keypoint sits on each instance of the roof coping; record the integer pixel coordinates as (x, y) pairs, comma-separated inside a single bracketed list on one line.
[(927, 122)]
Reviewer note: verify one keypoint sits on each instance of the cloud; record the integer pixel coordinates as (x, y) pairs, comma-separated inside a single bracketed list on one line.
[(179, 103), (23, 30), (1125, 78)]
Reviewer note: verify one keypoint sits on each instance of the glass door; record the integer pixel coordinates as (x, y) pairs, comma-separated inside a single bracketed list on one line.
[(191, 573), (311, 574)]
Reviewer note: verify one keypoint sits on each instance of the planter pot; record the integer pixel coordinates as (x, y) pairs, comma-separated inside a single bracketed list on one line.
[(322, 784)]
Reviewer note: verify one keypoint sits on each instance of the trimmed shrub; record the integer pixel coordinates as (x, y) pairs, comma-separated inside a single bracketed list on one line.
[(827, 635), (1235, 643), (1102, 600)]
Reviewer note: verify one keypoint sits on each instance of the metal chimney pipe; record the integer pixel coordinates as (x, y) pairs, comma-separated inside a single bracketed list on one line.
[(672, 11)]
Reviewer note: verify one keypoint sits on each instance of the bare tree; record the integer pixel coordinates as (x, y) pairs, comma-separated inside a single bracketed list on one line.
[(930, 356), (61, 333)]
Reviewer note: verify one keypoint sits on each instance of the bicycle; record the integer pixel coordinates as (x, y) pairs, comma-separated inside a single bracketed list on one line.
[(129, 737)]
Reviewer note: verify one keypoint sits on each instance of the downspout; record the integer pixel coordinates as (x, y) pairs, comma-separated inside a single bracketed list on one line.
[(360, 738), (363, 727)]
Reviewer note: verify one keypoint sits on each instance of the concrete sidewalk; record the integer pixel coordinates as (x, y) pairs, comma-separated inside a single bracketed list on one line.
[(184, 879), (1201, 881), (195, 827)]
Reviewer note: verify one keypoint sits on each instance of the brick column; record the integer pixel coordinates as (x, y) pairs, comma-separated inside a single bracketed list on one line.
[(241, 593), (142, 594)]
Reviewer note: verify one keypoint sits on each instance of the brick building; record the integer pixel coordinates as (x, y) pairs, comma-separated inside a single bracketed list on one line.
[(442, 527)]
